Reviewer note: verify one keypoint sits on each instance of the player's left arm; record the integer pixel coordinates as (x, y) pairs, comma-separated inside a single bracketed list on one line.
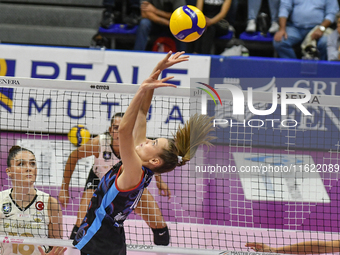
[(223, 12), (55, 227)]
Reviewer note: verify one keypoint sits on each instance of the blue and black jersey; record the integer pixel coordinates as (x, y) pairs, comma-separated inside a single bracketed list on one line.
[(101, 231)]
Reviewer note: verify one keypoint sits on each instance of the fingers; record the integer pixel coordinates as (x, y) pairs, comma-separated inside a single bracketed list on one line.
[(250, 244), (60, 251), (41, 250), (63, 200), (255, 246), (168, 55), (169, 194), (165, 193), (178, 56), (155, 74), (167, 78), (55, 251)]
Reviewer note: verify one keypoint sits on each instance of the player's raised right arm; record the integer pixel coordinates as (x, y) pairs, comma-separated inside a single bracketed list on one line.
[(86, 150), (132, 163), (139, 132)]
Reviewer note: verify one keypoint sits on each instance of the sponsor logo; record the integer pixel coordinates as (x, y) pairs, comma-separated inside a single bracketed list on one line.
[(22, 225), (89, 185), (106, 155), (120, 216), (39, 205), (7, 67), (9, 82), (101, 87), (39, 217), (6, 208), (6, 98)]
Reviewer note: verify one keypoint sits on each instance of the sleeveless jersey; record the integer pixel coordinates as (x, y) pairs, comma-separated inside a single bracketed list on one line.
[(31, 221), (106, 159), (106, 213)]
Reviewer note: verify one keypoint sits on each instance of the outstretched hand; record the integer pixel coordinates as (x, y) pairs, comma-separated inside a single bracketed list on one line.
[(55, 251), (153, 83), (260, 247), (170, 60)]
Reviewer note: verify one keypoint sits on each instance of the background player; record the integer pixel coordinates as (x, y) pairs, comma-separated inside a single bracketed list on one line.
[(27, 211), (105, 148), (119, 191), (310, 247)]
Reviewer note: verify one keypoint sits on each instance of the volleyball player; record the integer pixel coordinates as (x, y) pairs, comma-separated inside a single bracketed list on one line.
[(119, 191), (27, 211), (105, 148), (309, 247)]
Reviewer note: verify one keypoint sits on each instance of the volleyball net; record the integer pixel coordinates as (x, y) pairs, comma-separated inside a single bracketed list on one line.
[(271, 176)]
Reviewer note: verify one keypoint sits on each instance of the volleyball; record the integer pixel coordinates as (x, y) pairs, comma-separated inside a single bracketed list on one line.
[(79, 135), (187, 23)]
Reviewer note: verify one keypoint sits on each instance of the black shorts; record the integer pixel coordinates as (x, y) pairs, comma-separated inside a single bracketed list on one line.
[(113, 243), (92, 181)]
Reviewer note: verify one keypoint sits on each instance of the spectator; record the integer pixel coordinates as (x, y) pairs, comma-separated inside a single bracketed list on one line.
[(128, 14), (333, 42), (214, 12), (231, 16), (155, 20), (253, 10), (297, 18)]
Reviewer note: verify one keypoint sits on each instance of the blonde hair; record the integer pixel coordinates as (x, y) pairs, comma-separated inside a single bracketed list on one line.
[(185, 143)]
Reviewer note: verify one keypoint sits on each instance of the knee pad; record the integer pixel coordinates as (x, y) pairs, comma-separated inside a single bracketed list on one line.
[(74, 232), (161, 236)]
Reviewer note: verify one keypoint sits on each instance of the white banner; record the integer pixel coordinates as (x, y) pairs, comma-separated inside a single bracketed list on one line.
[(94, 64), (57, 111)]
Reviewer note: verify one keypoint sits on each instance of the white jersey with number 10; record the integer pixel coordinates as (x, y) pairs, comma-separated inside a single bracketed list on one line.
[(31, 221)]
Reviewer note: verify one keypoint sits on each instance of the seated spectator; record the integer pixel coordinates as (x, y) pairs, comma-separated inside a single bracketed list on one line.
[(231, 15), (297, 18), (155, 20), (214, 12), (253, 10), (333, 42), (121, 11)]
